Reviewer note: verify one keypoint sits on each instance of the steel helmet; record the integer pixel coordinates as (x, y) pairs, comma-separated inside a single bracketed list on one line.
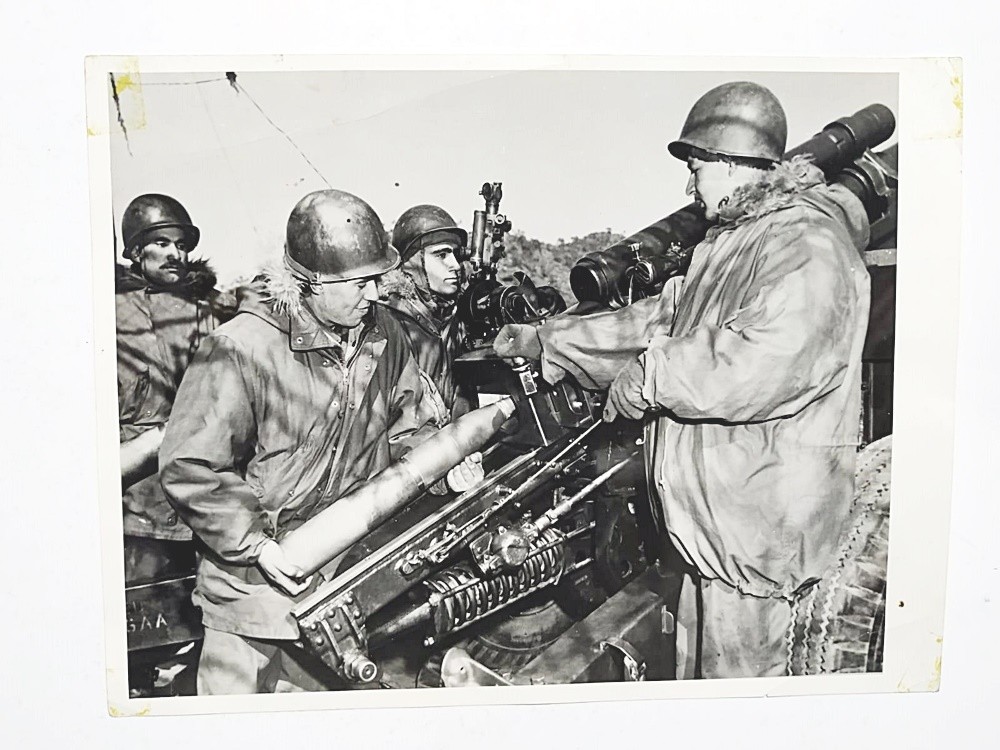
[(742, 120), (424, 225), (151, 212), (336, 236)]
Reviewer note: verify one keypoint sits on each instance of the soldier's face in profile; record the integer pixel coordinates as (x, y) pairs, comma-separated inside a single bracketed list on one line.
[(444, 272), (710, 183), (163, 257), (343, 303)]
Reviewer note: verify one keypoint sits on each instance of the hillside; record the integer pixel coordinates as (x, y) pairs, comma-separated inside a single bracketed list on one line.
[(550, 263)]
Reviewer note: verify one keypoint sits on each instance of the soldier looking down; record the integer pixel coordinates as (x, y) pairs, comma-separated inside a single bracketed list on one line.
[(307, 393)]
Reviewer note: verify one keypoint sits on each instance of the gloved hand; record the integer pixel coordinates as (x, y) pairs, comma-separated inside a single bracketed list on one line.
[(625, 395), (518, 340), (467, 474)]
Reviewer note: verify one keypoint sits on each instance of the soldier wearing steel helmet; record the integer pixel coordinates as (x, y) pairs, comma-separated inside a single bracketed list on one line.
[(423, 293), (165, 305), (746, 374), (310, 390)]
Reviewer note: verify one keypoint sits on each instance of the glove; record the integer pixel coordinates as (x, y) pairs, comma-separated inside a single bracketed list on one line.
[(625, 396), (518, 340)]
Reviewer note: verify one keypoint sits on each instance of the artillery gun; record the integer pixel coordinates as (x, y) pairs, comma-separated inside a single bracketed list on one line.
[(549, 570), (544, 573)]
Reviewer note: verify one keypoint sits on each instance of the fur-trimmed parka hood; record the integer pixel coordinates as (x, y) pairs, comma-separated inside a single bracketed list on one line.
[(198, 283), (275, 295), (787, 184), (275, 288), (397, 284), (398, 290)]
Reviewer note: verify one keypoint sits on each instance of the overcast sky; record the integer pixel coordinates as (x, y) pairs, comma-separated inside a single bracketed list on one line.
[(576, 151)]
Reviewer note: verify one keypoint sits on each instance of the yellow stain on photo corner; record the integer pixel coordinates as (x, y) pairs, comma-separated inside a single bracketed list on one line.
[(935, 681), (958, 100), (117, 713), (938, 110), (934, 684), (955, 126), (956, 83), (131, 107)]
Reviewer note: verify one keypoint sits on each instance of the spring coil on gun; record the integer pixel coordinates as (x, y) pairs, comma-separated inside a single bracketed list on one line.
[(462, 597)]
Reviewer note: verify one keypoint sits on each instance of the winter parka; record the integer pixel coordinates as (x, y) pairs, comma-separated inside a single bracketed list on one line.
[(158, 332), (436, 342), (752, 366)]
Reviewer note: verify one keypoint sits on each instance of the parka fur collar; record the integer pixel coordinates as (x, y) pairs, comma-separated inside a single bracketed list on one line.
[(779, 187), (199, 283), (279, 288), (399, 291), (399, 284), (275, 296)]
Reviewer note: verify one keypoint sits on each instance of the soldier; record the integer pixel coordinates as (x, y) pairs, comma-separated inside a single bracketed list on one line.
[(747, 375), (423, 293), (308, 392), (165, 306)]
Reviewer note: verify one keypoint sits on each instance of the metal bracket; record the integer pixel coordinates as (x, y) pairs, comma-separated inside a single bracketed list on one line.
[(889, 176), (667, 624), (527, 379), (458, 669), (632, 661), (337, 634)]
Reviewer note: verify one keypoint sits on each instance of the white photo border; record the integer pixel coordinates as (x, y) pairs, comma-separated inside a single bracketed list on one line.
[(930, 145)]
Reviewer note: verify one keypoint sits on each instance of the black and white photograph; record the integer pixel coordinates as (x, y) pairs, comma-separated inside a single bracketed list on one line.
[(547, 379)]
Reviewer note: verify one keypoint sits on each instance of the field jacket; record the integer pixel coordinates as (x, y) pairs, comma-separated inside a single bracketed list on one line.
[(278, 417)]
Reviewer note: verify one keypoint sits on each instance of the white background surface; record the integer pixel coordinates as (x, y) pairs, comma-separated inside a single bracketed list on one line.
[(53, 691)]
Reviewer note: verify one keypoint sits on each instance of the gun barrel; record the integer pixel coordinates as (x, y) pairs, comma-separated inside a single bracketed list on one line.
[(846, 139), (606, 276), (333, 531)]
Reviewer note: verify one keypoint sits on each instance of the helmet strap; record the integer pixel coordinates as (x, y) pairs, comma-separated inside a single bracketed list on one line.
[(307, 275), (733, 161)]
